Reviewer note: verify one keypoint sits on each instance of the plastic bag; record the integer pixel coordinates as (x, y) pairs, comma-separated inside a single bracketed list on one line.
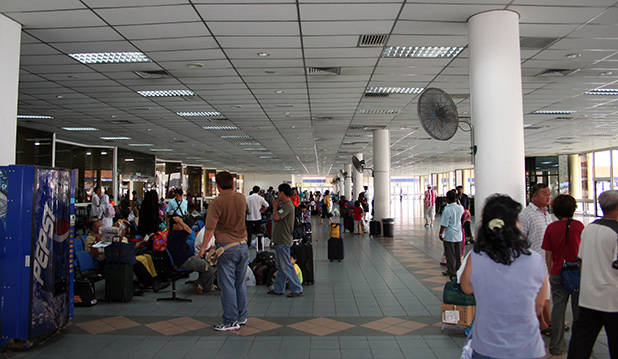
[(250, 278)]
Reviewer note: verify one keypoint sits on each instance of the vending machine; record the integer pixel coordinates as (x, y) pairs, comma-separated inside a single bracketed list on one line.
[(36, 279)]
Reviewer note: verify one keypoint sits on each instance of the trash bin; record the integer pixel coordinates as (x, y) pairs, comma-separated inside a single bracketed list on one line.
[(388, 227)]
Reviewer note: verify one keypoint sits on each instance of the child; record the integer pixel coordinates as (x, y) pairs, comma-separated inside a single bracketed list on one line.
[(305, 220), (357, 212), (297, 268)]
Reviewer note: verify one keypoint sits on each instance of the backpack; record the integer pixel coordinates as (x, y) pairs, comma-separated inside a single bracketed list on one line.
[(159, 241)]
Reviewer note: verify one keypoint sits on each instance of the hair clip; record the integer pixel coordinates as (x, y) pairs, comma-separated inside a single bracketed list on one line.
[(495, 223)]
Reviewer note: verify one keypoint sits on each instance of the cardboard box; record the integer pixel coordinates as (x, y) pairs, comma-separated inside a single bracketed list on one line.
[(462, 315)]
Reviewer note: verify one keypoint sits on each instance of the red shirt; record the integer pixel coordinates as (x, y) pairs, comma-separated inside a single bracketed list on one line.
[(358, 213), (554, 242), (295, 200)]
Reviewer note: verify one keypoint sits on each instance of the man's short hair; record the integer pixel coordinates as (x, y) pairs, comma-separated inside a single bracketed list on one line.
[(178, 192), (428, 186), (608, 201), (537, 187), (286, 189), (451, 196), (225, 180), (459, 187), (366, 187), (256, 189), (96, 188)]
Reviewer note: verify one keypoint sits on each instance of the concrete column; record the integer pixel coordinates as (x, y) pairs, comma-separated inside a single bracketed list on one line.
[(496, 105), (347, 182), (575, 176), (115, 174), (381, 174), (10, 39), (358, 178)]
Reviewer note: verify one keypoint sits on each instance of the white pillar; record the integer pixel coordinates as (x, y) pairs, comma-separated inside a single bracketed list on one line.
[(357, 178), (10, 38), (575, 176), (496, 105), (115, 173), (381, 174), (348, 182)]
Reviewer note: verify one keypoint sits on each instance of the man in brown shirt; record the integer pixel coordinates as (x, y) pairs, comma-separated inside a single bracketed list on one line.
[(226, 221)]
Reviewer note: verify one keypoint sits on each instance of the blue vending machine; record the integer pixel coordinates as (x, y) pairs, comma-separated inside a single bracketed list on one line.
[(36, 279)]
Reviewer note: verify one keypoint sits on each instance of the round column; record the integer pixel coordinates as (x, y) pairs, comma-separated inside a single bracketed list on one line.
[(575, 176), (358, 178), (9, 78), (496, 105), (348, 182), (381, 174)]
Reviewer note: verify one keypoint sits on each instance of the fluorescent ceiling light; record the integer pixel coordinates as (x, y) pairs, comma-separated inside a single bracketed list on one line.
[(129, 159), (109, 57), (103, 153), (610, 92), (235, 137), (115, 138), (42, 117), (161, 150), (422, 51), (377, 111), (221, 128), (394, 90), (553, 112), (80, 129), (249, 143), (199, 114), (266, 156), (141, 144), (165, 93)]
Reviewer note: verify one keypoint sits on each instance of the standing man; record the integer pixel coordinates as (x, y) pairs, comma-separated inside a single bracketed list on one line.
[(463, 198), (450, 233), (226, 221), (283, 215), (256, 205), (177, 206), (533, 221), (430, 206), (96, 208), (598, 293)]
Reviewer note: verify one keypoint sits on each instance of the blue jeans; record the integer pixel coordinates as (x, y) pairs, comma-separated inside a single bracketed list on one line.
[(285, 270), (476, 355), (231, 270)]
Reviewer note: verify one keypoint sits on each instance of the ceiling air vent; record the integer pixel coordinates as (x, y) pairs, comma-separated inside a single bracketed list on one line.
[(376, 94), (374, 40), (152, 74), (316, 71), (121, 122), (322, 118), (556, 72), (531, 43)]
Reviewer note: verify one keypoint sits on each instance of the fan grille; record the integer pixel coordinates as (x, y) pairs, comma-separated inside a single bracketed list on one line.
[(438, 114)]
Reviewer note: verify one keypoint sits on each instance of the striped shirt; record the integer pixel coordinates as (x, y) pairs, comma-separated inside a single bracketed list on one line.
[(430, 198), (533, 223)]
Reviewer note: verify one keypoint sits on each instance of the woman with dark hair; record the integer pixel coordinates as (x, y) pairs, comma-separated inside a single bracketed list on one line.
[(561, 244), (509, 284), (149, 214)]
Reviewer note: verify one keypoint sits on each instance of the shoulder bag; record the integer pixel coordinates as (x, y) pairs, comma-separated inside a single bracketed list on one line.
[(570, 273)]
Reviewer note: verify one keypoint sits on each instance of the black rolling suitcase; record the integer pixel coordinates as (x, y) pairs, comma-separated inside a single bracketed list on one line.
[(118, 282), (375, 228), (303, 252), (335, 249)]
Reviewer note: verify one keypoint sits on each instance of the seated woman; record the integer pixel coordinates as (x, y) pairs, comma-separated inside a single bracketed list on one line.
[(509, 283)]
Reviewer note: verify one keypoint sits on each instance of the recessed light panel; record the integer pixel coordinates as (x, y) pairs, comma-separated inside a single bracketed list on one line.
[(607, 92), (394, 90), (229, 137), (553, 112), (110, 57), (79, 129), (38, 117), (129, 159), (220, 128), (199, 114), (377, 111), (115, 138), (141, 144), (161, 150), (422, 51), (166, 93)]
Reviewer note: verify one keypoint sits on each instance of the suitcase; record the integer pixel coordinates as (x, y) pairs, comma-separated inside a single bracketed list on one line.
[(84, 294), (335, 230), (303, 252), (335, 249), (118, 282), (375, 228)]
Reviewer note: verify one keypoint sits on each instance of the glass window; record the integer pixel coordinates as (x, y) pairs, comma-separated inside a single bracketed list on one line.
[(615, 167), (602, 164)]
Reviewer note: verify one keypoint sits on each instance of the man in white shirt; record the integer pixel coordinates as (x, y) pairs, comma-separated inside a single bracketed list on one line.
[(256, 205), (598, 293), (96, 210)]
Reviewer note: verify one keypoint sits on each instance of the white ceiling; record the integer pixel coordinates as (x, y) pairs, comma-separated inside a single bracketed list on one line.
[(313, 126)]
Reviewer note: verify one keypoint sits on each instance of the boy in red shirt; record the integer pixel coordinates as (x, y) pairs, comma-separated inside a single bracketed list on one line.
[(357, 212)]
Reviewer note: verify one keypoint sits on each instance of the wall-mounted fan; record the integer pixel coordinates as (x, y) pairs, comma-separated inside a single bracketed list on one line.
[(359, 165), (439, 117)]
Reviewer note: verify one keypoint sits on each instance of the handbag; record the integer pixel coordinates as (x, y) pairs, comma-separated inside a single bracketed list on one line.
[(454, 295), (570, 273)]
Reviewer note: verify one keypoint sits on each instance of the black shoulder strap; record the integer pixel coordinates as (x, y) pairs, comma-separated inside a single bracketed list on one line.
[(607, 223), (566, 238)]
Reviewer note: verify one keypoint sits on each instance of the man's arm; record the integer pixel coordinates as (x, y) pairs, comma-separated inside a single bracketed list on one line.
[(276, 216), (264, 205), (207, 234)]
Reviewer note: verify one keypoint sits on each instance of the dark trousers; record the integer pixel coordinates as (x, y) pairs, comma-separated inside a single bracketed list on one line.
[(560, 297), (452, 251), (586, 329), (254, 227)]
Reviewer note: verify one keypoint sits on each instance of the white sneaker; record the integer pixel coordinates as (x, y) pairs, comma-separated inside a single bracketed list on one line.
[(242, 322), (226, 327)]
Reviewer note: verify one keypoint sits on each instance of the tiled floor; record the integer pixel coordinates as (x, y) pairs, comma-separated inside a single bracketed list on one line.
[(381, 301)]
